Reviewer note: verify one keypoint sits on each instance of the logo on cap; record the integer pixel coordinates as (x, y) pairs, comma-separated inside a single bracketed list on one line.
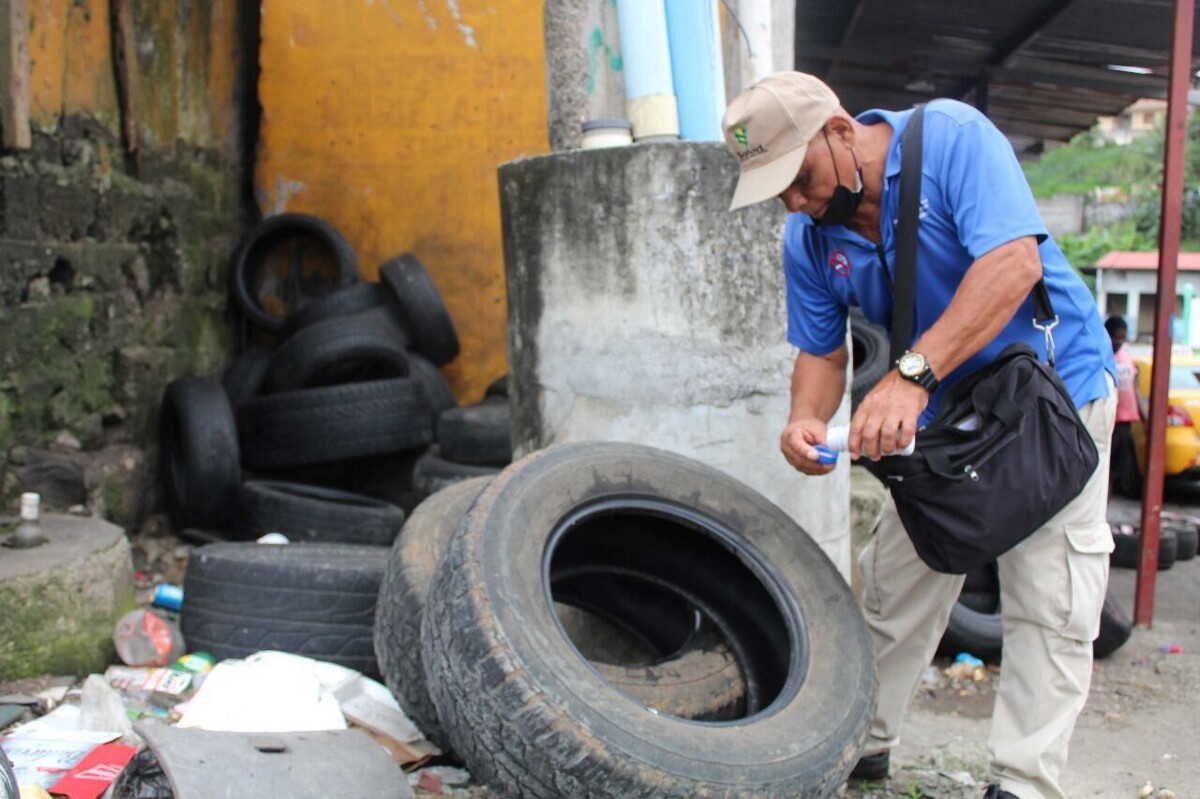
[(740, 135)]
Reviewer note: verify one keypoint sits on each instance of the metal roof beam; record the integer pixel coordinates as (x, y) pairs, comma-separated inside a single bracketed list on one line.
[(1021, 38)]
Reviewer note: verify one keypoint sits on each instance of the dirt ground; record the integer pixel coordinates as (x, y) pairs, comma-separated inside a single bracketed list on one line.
[(1139, 726)]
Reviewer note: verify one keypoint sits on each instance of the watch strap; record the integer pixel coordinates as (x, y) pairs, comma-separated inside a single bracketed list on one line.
[(925, 379)]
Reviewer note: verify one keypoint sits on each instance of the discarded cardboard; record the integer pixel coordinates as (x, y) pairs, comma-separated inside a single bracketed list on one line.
[(91, 776), (45, 749)]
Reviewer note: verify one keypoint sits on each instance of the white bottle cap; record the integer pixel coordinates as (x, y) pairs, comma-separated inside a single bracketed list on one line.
[(30, 503)]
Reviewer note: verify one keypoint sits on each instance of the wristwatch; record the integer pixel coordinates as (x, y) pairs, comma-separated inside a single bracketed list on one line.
[(914, 368)]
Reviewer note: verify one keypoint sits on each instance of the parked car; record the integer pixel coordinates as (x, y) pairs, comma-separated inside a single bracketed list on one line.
[(1182, 453)]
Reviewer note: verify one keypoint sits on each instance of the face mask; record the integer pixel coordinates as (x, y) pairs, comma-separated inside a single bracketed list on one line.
[(844, 202)]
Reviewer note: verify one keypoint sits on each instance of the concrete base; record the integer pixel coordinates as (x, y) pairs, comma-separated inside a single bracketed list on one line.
[(641, 309), (60, 601)]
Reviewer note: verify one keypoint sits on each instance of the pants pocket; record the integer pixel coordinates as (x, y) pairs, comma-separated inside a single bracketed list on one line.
[(1088, 547)]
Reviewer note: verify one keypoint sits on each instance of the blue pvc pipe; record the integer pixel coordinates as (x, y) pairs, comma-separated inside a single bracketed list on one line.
[(694, 31), (645, 51)]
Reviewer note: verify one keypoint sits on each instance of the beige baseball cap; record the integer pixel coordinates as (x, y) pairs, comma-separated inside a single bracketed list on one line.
[(768, 128)]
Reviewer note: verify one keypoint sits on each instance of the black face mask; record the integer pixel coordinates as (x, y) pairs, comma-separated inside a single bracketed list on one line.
[(844, 202)]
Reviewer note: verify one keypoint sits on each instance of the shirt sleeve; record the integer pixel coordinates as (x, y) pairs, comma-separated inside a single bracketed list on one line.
[(816, 319), (982, 182)]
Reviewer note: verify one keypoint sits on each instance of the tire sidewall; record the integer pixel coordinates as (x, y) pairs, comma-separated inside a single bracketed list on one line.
[(503, 553)]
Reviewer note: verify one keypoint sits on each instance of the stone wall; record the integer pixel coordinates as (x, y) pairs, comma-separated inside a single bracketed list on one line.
[(113, 268), (109, 287)]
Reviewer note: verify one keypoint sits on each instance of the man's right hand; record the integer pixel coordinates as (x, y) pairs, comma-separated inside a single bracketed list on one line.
[(797, 444)]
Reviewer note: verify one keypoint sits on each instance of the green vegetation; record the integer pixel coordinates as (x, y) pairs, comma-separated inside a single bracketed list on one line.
[(1089, 165)]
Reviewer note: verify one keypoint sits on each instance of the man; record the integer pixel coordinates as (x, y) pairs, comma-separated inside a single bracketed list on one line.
[(982, 248), (1124, 476)]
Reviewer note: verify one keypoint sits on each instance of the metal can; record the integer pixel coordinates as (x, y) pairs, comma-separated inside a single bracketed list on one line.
[(167, 596)]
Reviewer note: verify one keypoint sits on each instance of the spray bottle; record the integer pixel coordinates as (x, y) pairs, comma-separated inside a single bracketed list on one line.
[(837, 439)]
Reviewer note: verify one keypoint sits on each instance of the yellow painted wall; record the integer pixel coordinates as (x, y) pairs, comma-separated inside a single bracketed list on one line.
[(388, 118), (186, 58)]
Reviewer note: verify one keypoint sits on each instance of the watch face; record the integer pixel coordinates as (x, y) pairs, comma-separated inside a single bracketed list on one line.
[(911, 364)]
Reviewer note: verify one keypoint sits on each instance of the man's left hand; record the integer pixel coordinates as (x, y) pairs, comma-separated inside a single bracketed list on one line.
[(886, 419)]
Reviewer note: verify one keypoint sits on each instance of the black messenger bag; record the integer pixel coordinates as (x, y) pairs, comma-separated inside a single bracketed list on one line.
[(1007, 449)]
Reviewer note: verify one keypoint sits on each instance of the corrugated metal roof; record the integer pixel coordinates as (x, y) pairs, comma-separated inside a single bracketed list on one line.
[(1124, 259), (1041, 69)]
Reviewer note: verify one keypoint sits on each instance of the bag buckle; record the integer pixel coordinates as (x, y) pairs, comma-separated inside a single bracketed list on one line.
[(969, 471), (1047, 328)]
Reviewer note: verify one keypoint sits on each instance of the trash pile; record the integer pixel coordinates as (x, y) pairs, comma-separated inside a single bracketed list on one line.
[(146, 732)]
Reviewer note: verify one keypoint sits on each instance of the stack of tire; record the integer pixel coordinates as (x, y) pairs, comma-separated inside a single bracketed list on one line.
[(1178, 537), (611, 620), (313, 432), (976, 626)]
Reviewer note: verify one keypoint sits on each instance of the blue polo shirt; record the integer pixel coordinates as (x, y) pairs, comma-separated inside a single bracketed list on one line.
[(974, 198)]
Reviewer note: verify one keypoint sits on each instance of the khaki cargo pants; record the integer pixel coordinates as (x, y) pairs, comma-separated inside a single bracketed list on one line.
[(1052, 588)]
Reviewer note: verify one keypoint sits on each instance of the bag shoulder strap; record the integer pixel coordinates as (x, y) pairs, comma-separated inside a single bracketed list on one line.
[(904, 288)]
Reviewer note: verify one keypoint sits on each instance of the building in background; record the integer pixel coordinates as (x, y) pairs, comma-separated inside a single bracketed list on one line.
[(1140, 118), (1126, 284)]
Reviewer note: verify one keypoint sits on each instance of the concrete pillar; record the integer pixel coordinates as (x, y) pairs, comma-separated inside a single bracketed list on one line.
[(641, 309)]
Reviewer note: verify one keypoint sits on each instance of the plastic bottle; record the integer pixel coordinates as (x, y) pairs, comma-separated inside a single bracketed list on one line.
[(29, 532), (837, 439), (143, 638)]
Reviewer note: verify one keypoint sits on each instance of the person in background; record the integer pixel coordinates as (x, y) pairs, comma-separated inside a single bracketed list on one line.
[(1124, 476), (982, 247)]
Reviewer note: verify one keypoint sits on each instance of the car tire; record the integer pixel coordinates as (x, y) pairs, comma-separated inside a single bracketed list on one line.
[(316, 600), (437, 390), (1186, 538), (334, 423), (425, 315), (702, 682), (402, 592), (341, 349), (312, 513), (349, 301), (1127, 548), (479, 434), (1115, 629), (976, 632), (433, 473), (243, 273), (198, 454), (531, 717), (245, 377)]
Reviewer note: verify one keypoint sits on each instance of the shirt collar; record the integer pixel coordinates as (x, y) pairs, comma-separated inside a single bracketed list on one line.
[(898, 120)]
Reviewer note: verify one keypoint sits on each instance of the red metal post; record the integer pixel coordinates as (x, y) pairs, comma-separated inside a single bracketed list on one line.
[(1168, 256)]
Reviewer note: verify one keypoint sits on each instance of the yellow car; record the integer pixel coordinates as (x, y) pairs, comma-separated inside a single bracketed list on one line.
[(1182, 454)]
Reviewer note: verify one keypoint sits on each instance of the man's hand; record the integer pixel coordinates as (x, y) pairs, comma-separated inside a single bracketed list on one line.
[(797, 442), (886, 419)]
